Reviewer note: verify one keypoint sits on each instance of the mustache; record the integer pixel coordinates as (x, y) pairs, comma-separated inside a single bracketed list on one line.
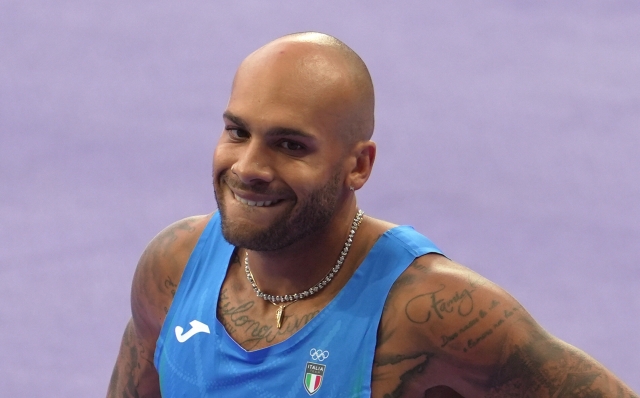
[(262, 188)]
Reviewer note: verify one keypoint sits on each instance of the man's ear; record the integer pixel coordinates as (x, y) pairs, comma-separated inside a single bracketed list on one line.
[(363, 156)]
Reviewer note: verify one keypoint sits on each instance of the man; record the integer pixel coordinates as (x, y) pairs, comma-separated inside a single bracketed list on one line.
[(289, 290)]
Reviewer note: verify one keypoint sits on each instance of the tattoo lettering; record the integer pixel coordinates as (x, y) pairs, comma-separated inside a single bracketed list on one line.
[(481, 314), (469, 325), (446, 339), (461, 303), (474, 342), (250, 332)]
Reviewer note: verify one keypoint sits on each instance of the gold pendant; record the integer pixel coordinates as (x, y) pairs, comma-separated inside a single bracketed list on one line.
[(279, 313)]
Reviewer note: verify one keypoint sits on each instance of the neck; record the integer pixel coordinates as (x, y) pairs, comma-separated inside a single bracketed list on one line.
[(304, 263)]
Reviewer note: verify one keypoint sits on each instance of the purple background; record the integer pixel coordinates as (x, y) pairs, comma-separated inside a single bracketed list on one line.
[(507, 132)]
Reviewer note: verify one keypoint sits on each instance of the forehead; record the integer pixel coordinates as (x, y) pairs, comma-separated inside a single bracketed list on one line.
[(300, 85)]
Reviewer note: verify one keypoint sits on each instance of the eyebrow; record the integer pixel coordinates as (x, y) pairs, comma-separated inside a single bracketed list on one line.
[(235, 119), (273, 132), (287, 132)]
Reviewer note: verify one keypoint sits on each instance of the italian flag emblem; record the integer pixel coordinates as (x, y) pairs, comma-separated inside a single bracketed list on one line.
[(313, 377)]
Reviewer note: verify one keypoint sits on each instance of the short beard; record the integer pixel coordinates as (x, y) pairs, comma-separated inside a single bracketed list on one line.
[(312, 215)]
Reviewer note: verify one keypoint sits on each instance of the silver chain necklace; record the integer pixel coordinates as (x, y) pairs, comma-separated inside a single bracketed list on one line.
[(283, 301)]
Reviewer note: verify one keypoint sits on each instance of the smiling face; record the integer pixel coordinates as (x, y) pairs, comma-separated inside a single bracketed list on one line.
[(271, 183), (281, 167)]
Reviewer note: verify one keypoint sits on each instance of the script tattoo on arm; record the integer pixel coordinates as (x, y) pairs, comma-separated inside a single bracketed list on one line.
[(477, 329), (535, 363), (439, 305)]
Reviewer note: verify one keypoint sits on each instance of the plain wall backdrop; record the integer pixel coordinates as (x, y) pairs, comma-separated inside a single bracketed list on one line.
[(508, 132)]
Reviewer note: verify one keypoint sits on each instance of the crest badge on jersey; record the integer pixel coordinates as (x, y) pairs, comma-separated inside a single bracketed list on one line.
[(314, 372), (313, 377)]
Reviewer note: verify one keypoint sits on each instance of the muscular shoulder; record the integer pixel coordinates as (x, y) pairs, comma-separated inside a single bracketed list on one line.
[(445, 325), (441, 318), (451, 308), (159, 271)]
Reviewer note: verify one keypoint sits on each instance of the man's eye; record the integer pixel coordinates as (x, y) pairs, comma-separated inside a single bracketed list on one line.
[(291, 146), (236, 133)]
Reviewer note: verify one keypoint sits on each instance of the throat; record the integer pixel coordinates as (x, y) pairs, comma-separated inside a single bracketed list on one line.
[(296, 295)]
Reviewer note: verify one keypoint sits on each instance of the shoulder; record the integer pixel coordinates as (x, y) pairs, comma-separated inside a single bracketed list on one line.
[(445, 325), (452, 312), (453, 307), (159, 271), (442, 323)]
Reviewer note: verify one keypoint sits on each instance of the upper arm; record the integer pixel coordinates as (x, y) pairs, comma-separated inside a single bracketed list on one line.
[(159, 271), (476, 338), (154, 285)]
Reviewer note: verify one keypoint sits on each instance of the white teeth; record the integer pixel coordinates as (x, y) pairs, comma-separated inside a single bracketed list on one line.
[(252, 203)]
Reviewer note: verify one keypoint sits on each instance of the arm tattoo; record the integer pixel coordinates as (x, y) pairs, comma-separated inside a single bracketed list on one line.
[(171, 286), (525, 370), (415, 371), (466, 317), (436, 304), (133, 363)]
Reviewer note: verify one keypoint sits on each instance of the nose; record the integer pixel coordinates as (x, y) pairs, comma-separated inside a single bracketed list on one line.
[(253, 164)]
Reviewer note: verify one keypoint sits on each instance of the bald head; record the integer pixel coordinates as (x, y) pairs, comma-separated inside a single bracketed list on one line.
[(319, 70)]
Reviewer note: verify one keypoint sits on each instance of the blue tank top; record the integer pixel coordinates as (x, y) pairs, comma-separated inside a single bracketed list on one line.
[(331, 356)]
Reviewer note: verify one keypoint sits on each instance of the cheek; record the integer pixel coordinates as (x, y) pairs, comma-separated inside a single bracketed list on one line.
[(307, 180), (222, 158)]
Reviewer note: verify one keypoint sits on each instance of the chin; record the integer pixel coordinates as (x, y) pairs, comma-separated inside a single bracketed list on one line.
[(252, 238)]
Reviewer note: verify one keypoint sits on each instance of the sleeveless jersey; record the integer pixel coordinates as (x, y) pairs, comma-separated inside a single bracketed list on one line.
[(331, 356)]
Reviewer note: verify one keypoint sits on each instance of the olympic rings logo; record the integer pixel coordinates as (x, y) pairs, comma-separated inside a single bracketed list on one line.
[(318, 355)]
